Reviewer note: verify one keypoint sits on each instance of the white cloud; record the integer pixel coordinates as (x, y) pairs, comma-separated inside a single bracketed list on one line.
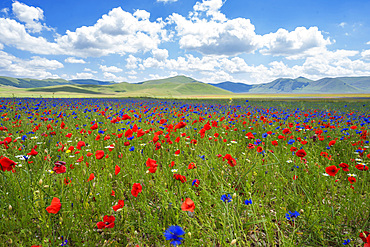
[(36, 67), (74, 60), (131, 72), (132, 77), (112, 69), (214, 37), (132, 62), (82, 75), (113, 77), (14, 34), (141, 14), (368, 43), (366, 54), (5, 11), (90, 70), (160, 54), (342, 24), (117, 32), (29, 15), (1, 46), (210, 8), (295, 44)]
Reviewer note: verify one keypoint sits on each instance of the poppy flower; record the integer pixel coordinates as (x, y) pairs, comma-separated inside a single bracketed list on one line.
[(99, 154), (195, 183), (92, 176), (364, 236), (332, 170), (192, 165), (301, 153), (188, 205), (352, 179), (55, 206), (344, 167), (108, 222), (6, 164), (179, 177), (120, 204), (152, 164), (117, 169), (362, 167), (136, 189), (33, 152)]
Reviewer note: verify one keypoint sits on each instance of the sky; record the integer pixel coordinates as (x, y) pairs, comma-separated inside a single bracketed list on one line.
[(209, 40)]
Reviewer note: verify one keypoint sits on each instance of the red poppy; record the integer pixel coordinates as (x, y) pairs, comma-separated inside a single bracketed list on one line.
[(152, 164), (352, 179), (179, 177), (364, 236), (332, 170), (6, 164), (55, 206), (172, 164), (113, 193), (344, 167), (59, 169), (120, 204), (301, 153), (274, 143), (92, 176), (117, 169), (99, 154), (94, 126), (33, 152), (108, 222), (362, 167), (188, 205), (136, 189), (331, 143), (192, 165), (69, 135)]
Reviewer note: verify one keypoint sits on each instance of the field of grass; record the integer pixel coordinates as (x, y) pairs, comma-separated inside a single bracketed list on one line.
[(190, 172)]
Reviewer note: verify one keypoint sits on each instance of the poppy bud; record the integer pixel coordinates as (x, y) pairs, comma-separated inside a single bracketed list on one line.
[(10, 208), (46, 186), (189, 234), (234, 195), (40, 182), (233, 242)]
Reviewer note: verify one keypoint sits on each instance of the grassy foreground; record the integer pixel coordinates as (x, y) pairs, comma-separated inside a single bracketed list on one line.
[(120, 172)]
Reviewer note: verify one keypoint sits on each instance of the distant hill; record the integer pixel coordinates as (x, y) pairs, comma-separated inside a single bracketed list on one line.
[(234, 87), (31, 83), (91, 82), (303, 85), (183, 85)]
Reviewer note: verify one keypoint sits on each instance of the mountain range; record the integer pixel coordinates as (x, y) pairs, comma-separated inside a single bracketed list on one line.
[(183, 85)]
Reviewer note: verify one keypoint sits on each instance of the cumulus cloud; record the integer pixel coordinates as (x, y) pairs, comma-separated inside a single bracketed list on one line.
[(366, 54), (295, 44), (132, 62), (112, 69), (14, 34), (90, 70), (36, 67), (31, 16), (74, 60), (82, 75), (113, 77), (117, 32)]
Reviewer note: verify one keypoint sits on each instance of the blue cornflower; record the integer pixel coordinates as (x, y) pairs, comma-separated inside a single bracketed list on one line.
[(173, 233), (291, 141), (346, 241), (247, 202), (226, 198), (264, 135), (132, 148), (64, 243), (291, 216)]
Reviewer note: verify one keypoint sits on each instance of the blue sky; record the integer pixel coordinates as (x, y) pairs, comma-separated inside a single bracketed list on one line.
[(209, 40)]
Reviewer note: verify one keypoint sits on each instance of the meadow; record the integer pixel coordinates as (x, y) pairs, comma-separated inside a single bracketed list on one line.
[(165, 172)]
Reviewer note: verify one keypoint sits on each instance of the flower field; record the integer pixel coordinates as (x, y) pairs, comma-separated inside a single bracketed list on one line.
[(145, 172)]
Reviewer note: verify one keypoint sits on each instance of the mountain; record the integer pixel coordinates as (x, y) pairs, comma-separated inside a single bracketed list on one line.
[(30, 83), (303, 85), (176, 79), (234, 87), (91, 82)]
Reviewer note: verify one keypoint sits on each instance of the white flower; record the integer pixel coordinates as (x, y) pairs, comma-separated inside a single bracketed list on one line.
[(351, 175), (325, 174), (233, 141), (174, 170), (289, 161), (34, 137)]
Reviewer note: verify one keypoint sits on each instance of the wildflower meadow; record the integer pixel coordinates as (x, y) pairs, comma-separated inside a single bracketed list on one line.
[(156, 172)]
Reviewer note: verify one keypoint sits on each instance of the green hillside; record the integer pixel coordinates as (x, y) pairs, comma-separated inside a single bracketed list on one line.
[(177, 79), (30, 83)]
